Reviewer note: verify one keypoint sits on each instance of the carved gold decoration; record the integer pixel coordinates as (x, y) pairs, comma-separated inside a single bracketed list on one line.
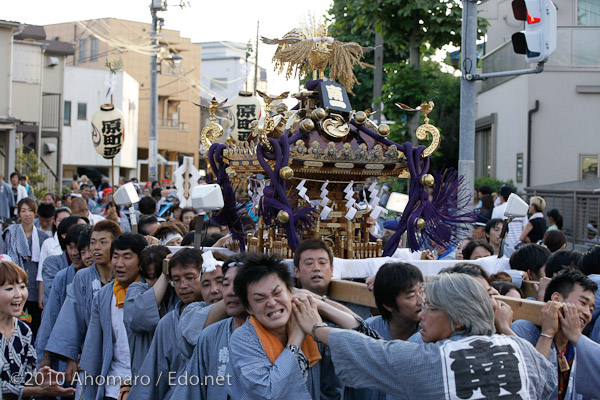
[(422, 134), (292, 118), (371, 125), (212, 130), (344, 165), (383, 130), (335, 126), (299, 148), (281, 108), (263, 135), (361, 153), (424, 130), (279, 123), (283, 217), (420, 223), (307, 125), (404, 174), (331, 152), (347, 152), (286, 173), (313, 164), (315, 150), (312, 44), (427, 180), (374, 167), (377, 152), (319, 113), (269, 99), (360, 117)]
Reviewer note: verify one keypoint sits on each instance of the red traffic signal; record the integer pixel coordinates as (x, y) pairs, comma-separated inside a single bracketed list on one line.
[(538, 41)]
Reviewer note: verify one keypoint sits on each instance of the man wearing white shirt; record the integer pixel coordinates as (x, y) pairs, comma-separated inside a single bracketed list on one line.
[(51, 246), (516, 226), (19, 192), (79, 207)]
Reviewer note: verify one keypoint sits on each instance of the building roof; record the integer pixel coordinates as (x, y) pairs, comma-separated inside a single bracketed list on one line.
[(585, 186), (59, 48), (10, 24), (32, 32)]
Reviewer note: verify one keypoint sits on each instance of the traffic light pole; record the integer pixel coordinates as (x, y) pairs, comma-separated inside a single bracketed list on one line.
[(483, 77), (468, 92), (153, 132)]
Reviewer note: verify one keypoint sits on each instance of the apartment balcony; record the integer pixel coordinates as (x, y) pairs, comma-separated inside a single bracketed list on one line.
[(173, 123), (576, 50)]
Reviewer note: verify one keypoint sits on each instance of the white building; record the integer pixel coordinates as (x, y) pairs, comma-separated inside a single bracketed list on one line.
[(226, 72), (85, 91), (7, 120), (540, 129)]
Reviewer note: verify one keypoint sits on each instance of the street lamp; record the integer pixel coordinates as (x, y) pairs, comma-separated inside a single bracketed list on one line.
[(155, 6)]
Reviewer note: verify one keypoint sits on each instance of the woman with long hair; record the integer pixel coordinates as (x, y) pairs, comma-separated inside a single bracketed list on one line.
[(18, 377), (23, 243)]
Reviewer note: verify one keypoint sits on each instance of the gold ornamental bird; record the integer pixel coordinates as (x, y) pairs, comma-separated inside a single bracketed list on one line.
[(309, 49)]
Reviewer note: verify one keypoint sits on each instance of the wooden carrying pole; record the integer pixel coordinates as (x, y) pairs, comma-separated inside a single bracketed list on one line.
[(355, 292)]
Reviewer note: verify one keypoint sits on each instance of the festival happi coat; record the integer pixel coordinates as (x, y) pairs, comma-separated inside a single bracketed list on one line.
[(299, 168)]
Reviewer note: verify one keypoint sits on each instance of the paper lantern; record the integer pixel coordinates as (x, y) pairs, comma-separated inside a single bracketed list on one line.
[(245, 109), (108, 131)]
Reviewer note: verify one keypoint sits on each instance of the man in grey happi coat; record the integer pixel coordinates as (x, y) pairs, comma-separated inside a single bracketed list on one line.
[(461, 356)]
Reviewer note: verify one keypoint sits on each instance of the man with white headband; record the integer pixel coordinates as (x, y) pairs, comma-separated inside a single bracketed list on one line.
[(194, 276)]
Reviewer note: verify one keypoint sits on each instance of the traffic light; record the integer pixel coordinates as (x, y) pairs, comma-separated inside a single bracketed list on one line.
[(538, 41)]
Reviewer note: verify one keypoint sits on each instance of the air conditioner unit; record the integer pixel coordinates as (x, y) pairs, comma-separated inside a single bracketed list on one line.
[(53, 61)]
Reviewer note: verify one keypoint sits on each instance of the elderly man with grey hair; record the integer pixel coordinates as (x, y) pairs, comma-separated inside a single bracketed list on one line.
[(461, 358)]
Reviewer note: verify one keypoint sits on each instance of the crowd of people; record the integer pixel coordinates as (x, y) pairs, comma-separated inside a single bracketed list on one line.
[(91, 310)]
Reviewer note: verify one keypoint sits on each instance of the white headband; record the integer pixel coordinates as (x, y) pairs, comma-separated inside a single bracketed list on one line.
[(209, 263), (170, 237)]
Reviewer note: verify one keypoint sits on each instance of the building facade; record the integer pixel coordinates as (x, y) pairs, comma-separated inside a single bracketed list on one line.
[(99, 40), (36, 92), (7, 120), (227, 70), (540, 129), (85, 92)]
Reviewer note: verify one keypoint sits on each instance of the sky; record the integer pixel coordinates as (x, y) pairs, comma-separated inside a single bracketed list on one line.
[(202, 21)]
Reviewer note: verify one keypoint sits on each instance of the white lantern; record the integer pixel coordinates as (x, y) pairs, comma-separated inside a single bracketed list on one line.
[(108, 131), (245, 109)]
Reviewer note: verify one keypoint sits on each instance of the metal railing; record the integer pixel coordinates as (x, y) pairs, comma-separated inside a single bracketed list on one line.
[(3, 163), (172, 123), (51, 111), (50, 177), (580, 211)]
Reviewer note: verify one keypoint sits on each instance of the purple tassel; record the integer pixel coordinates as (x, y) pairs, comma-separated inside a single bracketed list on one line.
[(232, 211), (275, 198), (447, 216)]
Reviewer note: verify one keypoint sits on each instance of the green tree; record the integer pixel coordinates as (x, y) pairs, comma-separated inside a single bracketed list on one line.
[(27, 163), (413, 86), (412, 30)]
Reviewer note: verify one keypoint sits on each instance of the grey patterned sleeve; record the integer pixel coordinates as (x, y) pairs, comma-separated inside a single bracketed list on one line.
[(366, 329), (302, 360)]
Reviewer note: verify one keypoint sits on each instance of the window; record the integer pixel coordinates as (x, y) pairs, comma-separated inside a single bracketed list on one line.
[(519, 167), (588, 12), (81, 111), (218, 83), (67, 114), (93, 48), (588, 166), (483, 153), (81, 52)]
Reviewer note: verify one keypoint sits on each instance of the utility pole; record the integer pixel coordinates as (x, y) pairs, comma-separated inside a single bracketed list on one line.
[(256, 59), (378, 78), (155, 6), (468, 92)]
